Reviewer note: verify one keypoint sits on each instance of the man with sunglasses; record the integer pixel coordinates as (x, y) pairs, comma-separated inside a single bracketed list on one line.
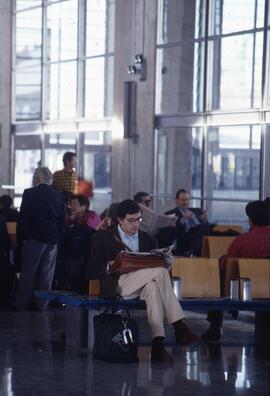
[(142, 198), (150, 284), (153, 222)]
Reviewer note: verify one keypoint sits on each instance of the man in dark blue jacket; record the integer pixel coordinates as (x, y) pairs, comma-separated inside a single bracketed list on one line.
[(191, 226), (40, 224)]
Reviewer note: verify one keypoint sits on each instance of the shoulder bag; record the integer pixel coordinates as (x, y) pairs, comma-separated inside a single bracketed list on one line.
[(115, 335)]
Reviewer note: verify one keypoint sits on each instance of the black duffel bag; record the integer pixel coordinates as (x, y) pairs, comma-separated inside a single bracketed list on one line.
[(115, 335)]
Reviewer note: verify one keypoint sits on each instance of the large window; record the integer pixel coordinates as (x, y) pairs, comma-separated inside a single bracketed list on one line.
[(28, 64), (212, 85), (63, 89), (173, 164), (27, 159), (93, 151), (64, 59), (235, 76)]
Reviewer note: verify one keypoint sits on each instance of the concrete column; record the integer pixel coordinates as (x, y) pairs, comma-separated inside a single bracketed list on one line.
[(5, 91), (133, 160)]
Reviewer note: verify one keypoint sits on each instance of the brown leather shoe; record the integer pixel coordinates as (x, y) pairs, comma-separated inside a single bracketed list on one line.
[(159, 354), (183, 334)]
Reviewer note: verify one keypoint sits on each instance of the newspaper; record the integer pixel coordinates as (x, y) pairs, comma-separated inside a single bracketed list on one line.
[(152, 221)]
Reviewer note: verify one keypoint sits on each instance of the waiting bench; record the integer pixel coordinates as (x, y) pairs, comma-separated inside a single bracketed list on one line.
[(79, 324), (199, 277)]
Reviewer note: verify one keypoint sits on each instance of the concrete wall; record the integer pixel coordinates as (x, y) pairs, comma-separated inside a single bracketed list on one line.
[(5, 91)]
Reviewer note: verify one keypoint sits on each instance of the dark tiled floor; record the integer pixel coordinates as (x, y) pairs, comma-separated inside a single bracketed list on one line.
[(35, 362)]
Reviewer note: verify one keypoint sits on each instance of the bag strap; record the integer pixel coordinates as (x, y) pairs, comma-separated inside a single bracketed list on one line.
[(114, 305), (122, 243)]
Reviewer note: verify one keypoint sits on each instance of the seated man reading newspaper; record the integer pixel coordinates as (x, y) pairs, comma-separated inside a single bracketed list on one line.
[(150, 284)]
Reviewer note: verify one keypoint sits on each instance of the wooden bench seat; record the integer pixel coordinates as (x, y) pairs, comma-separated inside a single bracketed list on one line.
[(199, 276), (11, 228), (216, 246)]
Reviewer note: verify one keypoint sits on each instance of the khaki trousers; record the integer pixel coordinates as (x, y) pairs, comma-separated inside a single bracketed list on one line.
[(154, 286)]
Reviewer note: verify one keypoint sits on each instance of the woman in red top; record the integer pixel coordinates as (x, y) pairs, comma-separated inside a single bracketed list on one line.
[(80, 213)]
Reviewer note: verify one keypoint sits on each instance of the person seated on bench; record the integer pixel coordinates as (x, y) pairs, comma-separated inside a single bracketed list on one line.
[(109, 216), (161, 226), (253, 244), (10, 214), (80, 213), (191, 226), (151, 284)]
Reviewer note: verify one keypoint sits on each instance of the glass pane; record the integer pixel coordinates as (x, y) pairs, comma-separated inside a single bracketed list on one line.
[(62, 90), (27, 159), (172, 169), (267, 161), (62, 30), (162, 204), (96, 166), (97, 138), (225, 212), (235, 71), (180, 20), (22, 4), (227, 16), (94, 88), (28, 91), (28, 35), (179, 86), (233, 162), (28, 64), (96, 27), (100, 27), (267, 75), (56, 144)]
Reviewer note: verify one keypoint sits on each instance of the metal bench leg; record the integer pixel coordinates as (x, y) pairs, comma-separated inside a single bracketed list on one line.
[(262, 331)]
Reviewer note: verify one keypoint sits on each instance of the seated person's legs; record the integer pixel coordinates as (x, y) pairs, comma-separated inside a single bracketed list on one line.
[(214, 332), (154, 285)]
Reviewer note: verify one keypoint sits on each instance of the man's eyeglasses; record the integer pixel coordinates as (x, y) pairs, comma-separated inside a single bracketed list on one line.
[(133, 221)]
